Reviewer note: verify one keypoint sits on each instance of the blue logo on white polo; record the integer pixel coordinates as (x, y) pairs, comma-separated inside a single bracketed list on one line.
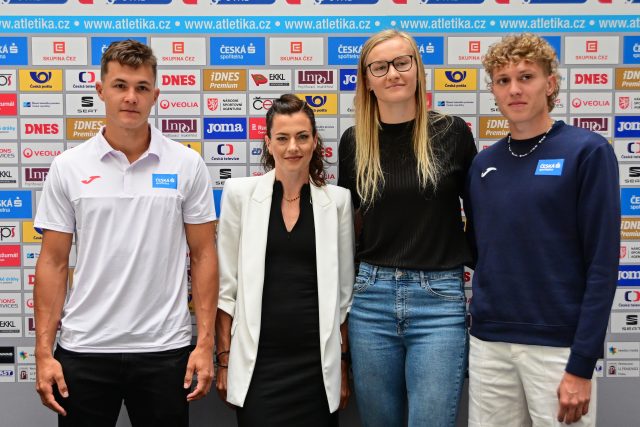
[(100, 44), (630, 201), (348, 78), (164, 180), (225, 128), (627, 127), (345, 50), (631, 50), (550, 167), (13, 51), (629, 275), (237, 51), (15, 204), (431, 49)]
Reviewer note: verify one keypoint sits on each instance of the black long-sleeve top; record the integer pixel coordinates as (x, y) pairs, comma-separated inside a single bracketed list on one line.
[(407, 227)]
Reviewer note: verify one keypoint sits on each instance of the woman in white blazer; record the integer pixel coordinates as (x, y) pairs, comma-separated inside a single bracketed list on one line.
[(285, 247)]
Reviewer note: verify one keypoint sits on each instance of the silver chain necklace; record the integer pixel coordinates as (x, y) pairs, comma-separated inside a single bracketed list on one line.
[(532, 148)]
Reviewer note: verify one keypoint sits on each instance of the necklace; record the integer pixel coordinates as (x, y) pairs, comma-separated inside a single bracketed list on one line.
[(532, 148), (293, 199)]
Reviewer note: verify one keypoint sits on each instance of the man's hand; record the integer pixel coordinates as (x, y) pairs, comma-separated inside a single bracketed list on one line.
[(48, 373), (574, 394), (201, 363)]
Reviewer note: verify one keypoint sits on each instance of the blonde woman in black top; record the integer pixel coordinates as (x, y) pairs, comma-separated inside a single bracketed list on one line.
[(405, 167)]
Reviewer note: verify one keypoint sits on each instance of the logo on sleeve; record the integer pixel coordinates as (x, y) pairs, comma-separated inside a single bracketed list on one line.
[(487, 171), (164, 180), (550, 167)]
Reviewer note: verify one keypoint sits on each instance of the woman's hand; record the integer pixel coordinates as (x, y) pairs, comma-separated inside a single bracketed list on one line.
[(221, 383), (345, 391)]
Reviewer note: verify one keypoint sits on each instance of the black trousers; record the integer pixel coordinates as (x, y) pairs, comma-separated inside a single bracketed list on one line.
[(149, 384)]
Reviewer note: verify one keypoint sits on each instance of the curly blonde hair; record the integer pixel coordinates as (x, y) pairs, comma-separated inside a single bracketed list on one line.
[(529, 47)]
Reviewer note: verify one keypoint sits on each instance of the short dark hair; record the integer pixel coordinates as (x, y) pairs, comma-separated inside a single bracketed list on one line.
[(128, 52), (290, 104)]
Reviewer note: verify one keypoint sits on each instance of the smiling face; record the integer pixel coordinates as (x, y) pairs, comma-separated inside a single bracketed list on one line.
[(395, 87), (291, 143), (128, 94), (521, 92)]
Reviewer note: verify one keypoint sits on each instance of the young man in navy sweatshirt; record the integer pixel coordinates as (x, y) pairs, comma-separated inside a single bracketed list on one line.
[(543, 211)]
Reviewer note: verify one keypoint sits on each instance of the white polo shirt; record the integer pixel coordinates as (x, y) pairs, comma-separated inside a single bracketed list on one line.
[(129, 290)]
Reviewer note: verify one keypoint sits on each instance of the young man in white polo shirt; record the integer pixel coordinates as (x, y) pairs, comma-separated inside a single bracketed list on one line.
[(137, 202)]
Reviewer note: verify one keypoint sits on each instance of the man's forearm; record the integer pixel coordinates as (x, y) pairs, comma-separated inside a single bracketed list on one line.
[(49, 295), (204, 289)]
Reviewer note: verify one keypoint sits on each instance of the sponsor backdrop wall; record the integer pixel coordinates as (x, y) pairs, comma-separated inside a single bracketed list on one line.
[(222, 62)]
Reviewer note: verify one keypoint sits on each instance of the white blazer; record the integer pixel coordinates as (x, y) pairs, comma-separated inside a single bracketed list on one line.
[(242, 243)]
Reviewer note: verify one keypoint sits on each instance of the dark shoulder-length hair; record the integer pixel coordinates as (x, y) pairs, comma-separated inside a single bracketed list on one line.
[(290, 104)]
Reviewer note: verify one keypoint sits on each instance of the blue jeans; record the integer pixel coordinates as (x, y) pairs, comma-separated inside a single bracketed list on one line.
[(409, 344)]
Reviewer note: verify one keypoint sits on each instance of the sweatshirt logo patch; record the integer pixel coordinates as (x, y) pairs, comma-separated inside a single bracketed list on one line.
[(550, 167)]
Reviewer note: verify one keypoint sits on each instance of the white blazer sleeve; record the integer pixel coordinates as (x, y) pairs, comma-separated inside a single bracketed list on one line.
[(346, 245), (228, 247)]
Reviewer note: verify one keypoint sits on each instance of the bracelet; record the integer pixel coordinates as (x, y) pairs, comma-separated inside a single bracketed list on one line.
[(221, 353), (217, 362)]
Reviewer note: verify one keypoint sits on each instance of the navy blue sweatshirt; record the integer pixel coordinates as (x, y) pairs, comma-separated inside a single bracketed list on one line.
[(545, 229)]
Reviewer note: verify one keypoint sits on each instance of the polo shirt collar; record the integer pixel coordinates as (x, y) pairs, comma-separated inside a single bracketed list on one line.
[(104, 148)]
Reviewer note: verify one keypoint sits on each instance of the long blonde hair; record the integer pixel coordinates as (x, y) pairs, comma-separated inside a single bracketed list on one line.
[(369, 176)]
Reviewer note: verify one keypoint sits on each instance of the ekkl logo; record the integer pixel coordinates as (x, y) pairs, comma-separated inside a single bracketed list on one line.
[(591, 46), (259, 79), (59, 47), (295, 47), (474, 46), (177, 48), (91, 179)]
